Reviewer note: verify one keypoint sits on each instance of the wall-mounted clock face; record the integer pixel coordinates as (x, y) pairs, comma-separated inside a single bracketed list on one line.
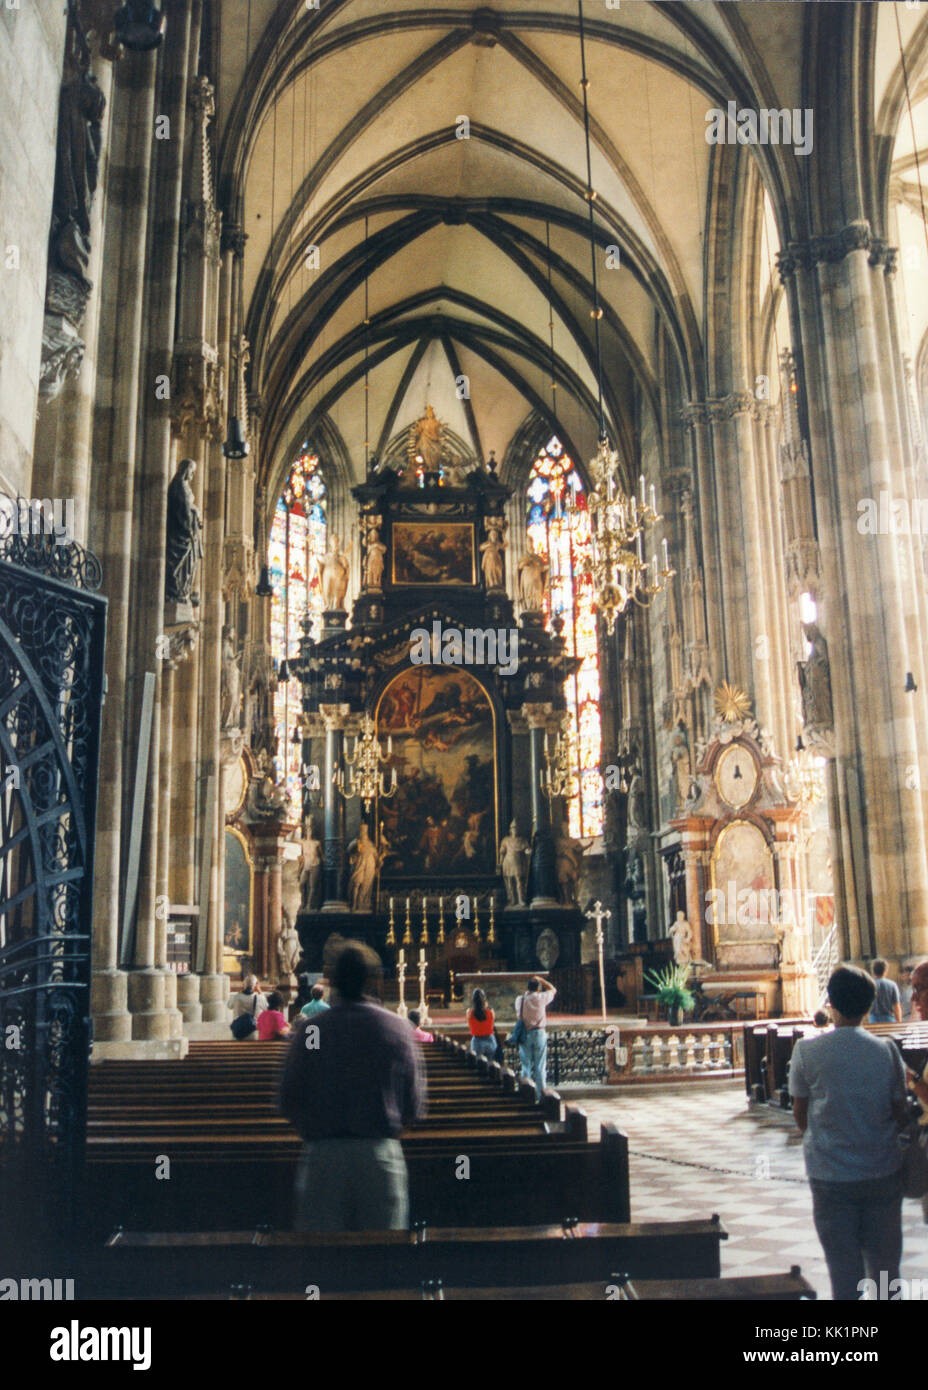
[(736, 776)]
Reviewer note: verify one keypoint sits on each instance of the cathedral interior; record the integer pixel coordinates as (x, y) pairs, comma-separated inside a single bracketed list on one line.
[(460, 473)]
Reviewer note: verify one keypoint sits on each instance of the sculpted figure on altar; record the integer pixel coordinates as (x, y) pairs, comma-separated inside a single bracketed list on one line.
[(681, 935), (373, 563), (533, 579), (492, 560), (310, 866), (569, 862), (365, 862), (513, 851), (288, 948), (425, 441), (334, 570)]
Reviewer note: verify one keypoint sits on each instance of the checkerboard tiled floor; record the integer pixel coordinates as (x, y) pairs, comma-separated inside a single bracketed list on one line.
[(681, 1136)]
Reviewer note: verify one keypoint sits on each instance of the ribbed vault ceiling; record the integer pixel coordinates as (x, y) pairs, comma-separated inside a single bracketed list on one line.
[(344, 136)]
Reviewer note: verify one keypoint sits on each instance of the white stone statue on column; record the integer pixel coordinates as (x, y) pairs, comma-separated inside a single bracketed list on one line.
[(681, 935)]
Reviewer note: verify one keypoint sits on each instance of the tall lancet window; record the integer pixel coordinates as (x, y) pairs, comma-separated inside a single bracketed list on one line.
[(564, 539), (298, 536)]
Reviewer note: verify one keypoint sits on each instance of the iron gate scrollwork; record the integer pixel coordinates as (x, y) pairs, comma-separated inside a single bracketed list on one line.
[(52, 629)]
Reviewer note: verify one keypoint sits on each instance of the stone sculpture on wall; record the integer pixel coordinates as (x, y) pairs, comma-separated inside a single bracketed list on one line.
[(184, 543), (815, 681), (334, 569)]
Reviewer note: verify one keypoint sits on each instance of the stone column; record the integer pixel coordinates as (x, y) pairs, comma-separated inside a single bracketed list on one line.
[(111, 503), (542, 872), (333, 872), (836, 294), (270, 838), (695, 854)]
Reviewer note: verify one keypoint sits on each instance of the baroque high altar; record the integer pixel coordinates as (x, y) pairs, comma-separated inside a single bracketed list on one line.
[(429, 719)]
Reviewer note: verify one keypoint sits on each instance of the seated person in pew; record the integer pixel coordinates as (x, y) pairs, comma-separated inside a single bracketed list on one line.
[(418, 1033), (272, 1022), (353, 1080), (482, 1027), (848, 1089), (249, 1000), (316, 1004)]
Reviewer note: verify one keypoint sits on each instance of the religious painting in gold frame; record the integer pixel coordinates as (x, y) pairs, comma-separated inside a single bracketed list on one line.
[(442, 819), (238, 918), (433, 553), (743, 879)]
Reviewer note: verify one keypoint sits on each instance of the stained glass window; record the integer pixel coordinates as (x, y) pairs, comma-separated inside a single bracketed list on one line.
[(563, 537), (298, 536)]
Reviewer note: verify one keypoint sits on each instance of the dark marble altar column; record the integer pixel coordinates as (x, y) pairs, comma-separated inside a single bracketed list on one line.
[(542, 873), (333, 871)]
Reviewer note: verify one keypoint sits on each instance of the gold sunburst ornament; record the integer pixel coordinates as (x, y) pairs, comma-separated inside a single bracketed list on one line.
[(732, 703)]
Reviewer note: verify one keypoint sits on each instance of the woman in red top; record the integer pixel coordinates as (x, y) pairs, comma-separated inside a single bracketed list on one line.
[(272, 1023), (481, 1025)]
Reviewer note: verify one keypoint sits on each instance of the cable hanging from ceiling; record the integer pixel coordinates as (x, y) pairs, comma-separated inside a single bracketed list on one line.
[(618, 520)]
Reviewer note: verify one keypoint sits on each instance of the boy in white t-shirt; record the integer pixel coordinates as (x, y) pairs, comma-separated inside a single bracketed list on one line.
[(848, 1089)]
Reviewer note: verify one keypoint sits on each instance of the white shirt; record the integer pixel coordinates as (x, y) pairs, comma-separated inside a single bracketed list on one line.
[(242, 1003), (851, 1079), (531, 1008)]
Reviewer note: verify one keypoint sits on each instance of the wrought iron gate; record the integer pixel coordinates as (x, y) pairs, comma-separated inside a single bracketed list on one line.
[(52, 628)]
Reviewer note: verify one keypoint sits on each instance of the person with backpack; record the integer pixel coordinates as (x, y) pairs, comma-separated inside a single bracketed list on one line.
[(246, 1006)]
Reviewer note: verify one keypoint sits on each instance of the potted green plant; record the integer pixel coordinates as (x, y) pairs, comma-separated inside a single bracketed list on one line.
[(672, 993)]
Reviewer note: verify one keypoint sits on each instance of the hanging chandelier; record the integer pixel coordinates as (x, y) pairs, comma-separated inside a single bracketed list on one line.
[(618, 520), (365, 777), (804, 779)]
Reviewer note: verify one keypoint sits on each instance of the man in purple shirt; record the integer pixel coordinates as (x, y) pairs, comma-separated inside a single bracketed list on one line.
[(352, 1081)]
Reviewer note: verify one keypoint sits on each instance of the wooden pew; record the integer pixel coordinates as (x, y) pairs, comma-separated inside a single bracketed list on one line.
[(214, 1118), (176, 1265)]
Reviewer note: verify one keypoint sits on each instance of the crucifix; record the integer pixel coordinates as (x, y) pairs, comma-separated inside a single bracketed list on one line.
[(600, 915)]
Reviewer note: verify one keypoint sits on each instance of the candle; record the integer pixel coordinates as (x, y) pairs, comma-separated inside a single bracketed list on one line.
[(653, 499), (402, 956), (641, 485), (421, 955), (654, 570), (664, 554), (391, 904), (407, 904), (441, 904), (639, 543)]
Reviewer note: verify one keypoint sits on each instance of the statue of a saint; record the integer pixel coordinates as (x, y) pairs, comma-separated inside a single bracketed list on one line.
[(365, 862), (80, 118), (637, 802), (373, 563), (425, 441), (815, 681), (310, 866), (288, 948), (681, 934), (231, 699), (512, 863), (533, 578), (569, 862), (184, 545), (334, 569), (492, 561), (266, 800), (680, 768)]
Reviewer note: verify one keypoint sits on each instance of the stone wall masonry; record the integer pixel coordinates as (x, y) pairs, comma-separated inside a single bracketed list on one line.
[(31, 57)]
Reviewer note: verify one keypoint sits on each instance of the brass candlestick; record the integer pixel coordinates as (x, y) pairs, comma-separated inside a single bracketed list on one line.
[(477, 917), (441, 921), (407, 934), (491, 934), (424, 938), (391, 934)]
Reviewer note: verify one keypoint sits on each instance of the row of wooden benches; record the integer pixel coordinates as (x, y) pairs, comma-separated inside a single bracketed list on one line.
[(176, 1145), (768, 1048), (227, 1161)]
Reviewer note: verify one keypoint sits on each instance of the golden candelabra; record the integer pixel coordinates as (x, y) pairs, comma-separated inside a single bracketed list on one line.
[(476, 918), (407, 934), (618, 522), (441, 921), (491, 934), (424, 938), (804, 780), (391, 934), (365, 778)]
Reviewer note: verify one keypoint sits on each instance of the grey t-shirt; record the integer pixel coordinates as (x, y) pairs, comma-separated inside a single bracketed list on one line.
[(887, 997), (851, 1079)]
